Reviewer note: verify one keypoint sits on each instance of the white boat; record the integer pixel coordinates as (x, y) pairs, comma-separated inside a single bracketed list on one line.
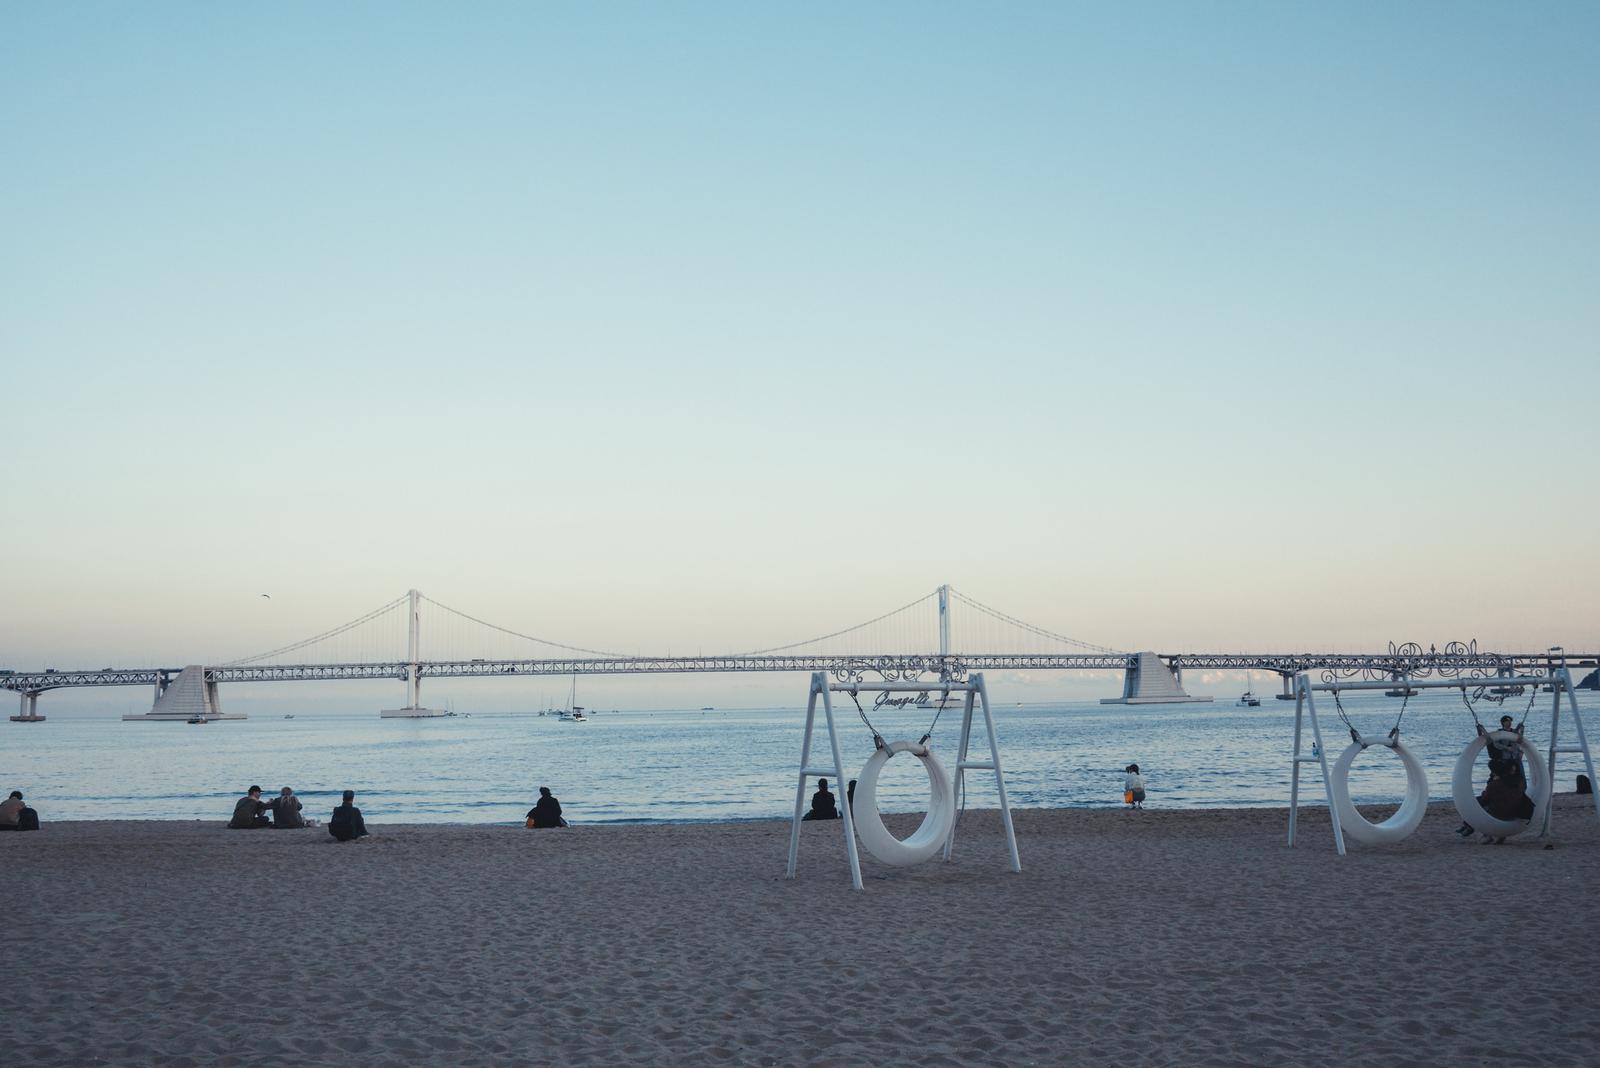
[(573, 713), (197, 719), (1249, 700)]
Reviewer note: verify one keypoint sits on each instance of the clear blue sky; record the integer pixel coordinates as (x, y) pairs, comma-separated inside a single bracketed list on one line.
[(719, 325)]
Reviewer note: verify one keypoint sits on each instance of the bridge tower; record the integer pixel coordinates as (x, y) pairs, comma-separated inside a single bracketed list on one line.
[(944, 629), (413, 708)]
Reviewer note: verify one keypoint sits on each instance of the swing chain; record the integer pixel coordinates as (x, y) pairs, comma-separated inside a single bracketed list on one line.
[(877, 739), (939, 712), (1533, 695), (1355, 735), (1394, 732)]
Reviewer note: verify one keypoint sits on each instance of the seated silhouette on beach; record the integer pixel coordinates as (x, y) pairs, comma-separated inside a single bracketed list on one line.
[(346, 823), (286, 810), (824, 806), (16, 816), (249, 811), (546, 812)]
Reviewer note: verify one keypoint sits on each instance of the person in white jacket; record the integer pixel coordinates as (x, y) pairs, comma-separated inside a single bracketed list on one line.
[(1133, 787)]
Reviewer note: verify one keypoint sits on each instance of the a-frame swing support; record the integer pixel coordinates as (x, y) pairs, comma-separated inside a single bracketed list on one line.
[(1557, 678), (974, 697)]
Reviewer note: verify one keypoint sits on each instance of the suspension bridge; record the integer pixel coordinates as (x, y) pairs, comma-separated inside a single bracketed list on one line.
[(939, 637)]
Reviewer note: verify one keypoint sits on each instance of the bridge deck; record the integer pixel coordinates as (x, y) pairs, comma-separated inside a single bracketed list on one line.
[(898, 666)]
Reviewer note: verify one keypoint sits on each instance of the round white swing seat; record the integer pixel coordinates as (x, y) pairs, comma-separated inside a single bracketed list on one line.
[(1466, 796), (929, 838), (1405, 820)]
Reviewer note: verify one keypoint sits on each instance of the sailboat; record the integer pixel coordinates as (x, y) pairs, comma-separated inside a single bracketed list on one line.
[(573, 713), (1249, 699)]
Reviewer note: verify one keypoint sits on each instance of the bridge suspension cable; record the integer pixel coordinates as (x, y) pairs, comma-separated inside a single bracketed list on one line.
[(931, 646), (315, 639), (996, 614), (518, 634)]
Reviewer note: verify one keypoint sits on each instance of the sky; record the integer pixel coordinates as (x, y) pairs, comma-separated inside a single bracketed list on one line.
[(716, 326)]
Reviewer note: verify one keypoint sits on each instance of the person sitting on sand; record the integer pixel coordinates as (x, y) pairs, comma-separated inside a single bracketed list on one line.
[(346, 823), (286, 810), (824, 806), (546, 812), (16, 816), (249, 811), (1132, 787)]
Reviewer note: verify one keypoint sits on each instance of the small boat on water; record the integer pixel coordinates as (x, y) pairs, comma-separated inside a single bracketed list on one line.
[(289, 716), (197, 719), (1249, 700), (573, 713)]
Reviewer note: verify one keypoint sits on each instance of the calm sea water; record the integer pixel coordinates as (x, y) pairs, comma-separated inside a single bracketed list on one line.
[(676, 766)]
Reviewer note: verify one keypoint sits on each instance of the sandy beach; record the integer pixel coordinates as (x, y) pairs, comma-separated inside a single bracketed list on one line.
[(1150, 938)]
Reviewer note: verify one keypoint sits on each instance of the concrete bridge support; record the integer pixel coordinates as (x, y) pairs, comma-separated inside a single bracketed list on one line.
[(1288, 686), (190, 696), (1149, 681), (30, 709)]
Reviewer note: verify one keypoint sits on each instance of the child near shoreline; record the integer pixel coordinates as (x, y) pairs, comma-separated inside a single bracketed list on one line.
[(1133, 787)]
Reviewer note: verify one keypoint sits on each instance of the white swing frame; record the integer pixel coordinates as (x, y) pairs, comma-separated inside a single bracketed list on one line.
[(1559, 679), (975, 694)]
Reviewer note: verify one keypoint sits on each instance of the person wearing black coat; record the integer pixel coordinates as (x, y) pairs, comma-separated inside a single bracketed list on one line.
[(546, 812), (346, 823), (824, 806)]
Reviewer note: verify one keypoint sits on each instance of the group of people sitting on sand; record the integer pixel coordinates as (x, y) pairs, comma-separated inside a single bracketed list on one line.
[(249, 812), (345, 824), (1505, 796), (16, 816)]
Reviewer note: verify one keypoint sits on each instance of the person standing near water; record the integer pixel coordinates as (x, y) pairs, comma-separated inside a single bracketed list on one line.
[(1133, 787)]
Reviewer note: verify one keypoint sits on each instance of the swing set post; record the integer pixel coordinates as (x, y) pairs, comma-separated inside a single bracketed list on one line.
[(979, 690), (819, 687), (1306, 703), (1561, 681)]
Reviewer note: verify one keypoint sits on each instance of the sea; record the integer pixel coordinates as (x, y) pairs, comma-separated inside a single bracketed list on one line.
[(698, 765)]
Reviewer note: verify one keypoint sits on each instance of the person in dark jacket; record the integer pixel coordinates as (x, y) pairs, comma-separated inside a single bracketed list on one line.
[(286, 810), (824, 806), (249, 811), (16, 816), (546, 812), (346, 823)]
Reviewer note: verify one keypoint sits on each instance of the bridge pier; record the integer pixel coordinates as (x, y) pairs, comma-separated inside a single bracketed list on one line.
[(30, 709), (1288, 686), (1149, 680), (190, 696)]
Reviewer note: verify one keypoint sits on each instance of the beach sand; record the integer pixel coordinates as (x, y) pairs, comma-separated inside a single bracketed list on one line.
[(1129, 938)]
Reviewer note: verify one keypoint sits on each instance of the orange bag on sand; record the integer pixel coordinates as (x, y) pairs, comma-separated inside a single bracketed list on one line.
[(1127, 797)]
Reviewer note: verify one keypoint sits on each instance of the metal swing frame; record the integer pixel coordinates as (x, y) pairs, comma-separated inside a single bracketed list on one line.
[(1558, 679), (976, 695)]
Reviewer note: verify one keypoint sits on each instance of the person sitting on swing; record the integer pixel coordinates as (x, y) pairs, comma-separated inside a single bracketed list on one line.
[(1505, 751), (824, 806), (1504, 797)]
